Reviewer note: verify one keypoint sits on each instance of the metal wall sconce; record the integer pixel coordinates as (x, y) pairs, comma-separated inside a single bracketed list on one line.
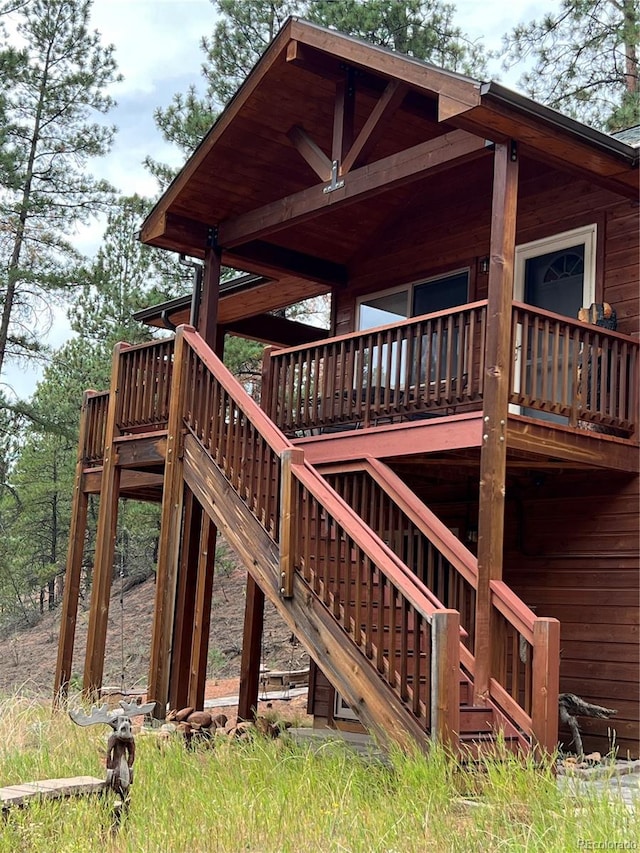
[(484, 266)]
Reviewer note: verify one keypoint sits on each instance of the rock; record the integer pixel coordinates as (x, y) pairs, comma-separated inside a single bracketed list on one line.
[(200, 718), (183, 714), (220, 721)]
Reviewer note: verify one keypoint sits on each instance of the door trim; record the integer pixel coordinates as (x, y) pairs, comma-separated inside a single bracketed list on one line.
[(587, 235)]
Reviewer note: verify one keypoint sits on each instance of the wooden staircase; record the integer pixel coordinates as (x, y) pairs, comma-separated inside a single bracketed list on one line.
[(377, 589)]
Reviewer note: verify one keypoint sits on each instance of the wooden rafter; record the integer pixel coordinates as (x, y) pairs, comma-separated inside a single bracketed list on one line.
[(310, 151), (343, 115), (363, 183), (374, 126)]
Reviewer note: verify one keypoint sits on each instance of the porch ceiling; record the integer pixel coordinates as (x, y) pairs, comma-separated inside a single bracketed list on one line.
[(258, 178)]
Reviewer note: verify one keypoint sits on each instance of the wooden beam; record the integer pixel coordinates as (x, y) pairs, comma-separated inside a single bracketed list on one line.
[(168, 550), (343, 114), (445, 678), (310, 151), (202, 613), (288, 519), (498, 357), (77, 531), (395, 440), (143, 450), (368, 181), (270, 259), (374, 59), (185, 603), (251, 651), (556, 444), (374, 126), (172, 228), (276, 331), (129, 481), (545, 684), (105, 542)]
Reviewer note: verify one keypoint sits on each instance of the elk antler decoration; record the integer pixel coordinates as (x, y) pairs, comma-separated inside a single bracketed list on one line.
[(121, 748)]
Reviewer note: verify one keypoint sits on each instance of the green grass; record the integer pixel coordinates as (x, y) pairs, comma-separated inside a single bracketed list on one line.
[(274, 797)]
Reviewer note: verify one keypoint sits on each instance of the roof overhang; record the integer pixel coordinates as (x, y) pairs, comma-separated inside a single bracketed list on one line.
[(263, 186)]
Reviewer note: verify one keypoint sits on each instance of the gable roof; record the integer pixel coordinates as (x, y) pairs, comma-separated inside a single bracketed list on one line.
[(275, 137)]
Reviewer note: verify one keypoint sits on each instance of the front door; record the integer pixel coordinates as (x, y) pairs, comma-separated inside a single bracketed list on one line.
[(558, 275)]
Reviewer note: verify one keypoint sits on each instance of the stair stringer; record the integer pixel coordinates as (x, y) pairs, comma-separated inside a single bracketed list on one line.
[(347, 667)]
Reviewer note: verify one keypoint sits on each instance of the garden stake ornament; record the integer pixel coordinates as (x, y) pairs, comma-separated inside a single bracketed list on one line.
[(121, 748)]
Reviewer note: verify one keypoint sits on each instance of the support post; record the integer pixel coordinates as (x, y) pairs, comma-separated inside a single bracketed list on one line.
[(105, 541), (202, 615), (170, 528), (75, 553), (546, 683), (445, 678), (185, 603), (287, 520), (251, 646), (343, 116), (498, 358), (208, 313)]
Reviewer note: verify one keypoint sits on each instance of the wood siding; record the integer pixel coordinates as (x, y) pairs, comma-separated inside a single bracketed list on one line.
[(572, 553), (454, 232)]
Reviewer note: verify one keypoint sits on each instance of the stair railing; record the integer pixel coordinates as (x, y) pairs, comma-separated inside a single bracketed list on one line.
[(525, 659), (395, 621)]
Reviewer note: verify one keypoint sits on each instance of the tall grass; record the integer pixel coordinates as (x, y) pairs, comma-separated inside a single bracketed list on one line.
[(276, 797)]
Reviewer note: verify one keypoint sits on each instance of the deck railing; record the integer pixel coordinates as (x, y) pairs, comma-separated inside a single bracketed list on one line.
[(563, 370), (365, 587), (580, 373), (97, 404), (425, 365), (145, 386)]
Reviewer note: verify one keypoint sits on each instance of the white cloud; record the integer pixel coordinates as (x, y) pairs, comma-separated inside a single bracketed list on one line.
[(157, 44)]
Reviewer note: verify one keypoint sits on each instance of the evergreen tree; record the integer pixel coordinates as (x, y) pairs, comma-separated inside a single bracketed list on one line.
[(52, 86), (245, 28), (585, 60), (124, 277)]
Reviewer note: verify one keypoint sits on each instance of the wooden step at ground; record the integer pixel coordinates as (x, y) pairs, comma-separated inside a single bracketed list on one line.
[(476, 719), (49, 789)]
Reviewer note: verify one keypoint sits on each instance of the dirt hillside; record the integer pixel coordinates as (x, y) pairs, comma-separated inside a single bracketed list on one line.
[(28, 658)]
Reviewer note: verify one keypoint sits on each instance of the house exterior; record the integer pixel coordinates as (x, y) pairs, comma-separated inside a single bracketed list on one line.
[(440, 496)]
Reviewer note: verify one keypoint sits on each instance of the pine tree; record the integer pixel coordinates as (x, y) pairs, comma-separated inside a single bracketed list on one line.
[(584, 60), (124, 277), (56, 80), (245, 28)]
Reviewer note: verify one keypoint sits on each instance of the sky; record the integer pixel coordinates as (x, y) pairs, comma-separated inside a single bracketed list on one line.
[(157, 49)]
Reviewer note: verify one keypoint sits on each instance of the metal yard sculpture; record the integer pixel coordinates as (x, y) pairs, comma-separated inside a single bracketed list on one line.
[(121, 748)]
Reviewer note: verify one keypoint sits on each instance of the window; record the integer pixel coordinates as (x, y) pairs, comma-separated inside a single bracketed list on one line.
[(412, 300)]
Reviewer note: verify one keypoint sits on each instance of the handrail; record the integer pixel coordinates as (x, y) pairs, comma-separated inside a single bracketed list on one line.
[(276, 440), (361, 534), (574, 323), (514, 680), (388, 327), (574, 370), (339, 558), (145, 385), (412, 369), (513, 609)]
